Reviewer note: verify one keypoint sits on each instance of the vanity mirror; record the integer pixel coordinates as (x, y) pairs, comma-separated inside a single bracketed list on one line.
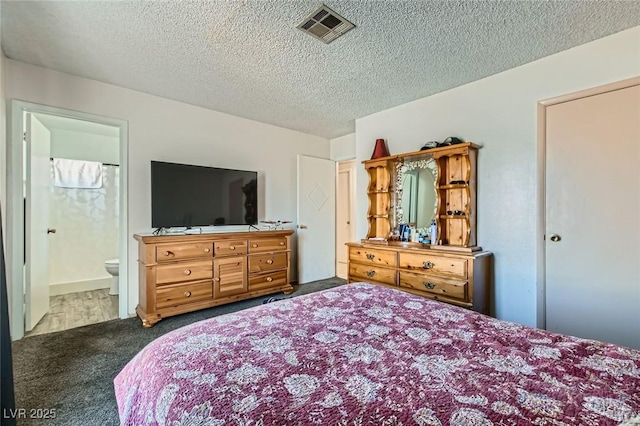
[(416, 200)]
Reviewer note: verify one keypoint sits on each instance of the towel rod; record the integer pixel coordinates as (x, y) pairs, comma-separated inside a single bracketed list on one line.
[(104, 164)]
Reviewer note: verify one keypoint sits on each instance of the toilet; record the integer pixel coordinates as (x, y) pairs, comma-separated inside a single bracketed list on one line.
[(112, 266)]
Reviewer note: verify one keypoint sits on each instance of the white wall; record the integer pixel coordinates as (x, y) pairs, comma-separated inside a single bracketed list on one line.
[(344, 147), (499, 112), (162, 129), (86, 220), (76, 145)]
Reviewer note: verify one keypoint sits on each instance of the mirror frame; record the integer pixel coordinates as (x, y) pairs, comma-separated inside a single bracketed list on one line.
[(402, 166)]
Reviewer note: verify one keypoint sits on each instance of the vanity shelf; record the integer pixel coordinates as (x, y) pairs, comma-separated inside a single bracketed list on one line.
[(379, 194), (454, 186)]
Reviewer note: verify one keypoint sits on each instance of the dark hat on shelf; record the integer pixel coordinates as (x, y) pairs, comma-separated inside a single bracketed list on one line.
[(451, 140)]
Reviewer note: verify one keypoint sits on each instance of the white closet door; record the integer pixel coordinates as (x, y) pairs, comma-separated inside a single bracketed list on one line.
[(593, 217), (316, 219)]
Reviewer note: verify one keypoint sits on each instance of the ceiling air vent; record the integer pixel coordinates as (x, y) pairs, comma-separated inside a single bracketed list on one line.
[(325, 25)]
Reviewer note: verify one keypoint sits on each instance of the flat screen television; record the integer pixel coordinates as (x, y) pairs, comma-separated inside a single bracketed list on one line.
[(188, 195)]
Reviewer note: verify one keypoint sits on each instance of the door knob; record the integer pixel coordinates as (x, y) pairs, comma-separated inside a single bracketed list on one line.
[(51, 230), (302, 226), (555, 238)]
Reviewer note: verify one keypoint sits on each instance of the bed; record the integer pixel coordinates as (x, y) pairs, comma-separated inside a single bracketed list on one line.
[(362, 354)]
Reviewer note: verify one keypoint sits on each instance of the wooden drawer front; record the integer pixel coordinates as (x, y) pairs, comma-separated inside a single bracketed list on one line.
[(224, 248), (266, 280), (434, 264), (267, 262), (372, 273), (168, 252), (267, 244), (183, 271), (427, 283), (374, 257), (181, 294)]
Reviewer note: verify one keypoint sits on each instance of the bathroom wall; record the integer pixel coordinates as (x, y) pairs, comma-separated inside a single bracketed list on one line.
[(86, 220), (80, 145)]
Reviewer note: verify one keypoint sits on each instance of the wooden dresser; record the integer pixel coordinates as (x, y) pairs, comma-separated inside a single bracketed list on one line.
[(184, 273), (416, 189), (458, 278)]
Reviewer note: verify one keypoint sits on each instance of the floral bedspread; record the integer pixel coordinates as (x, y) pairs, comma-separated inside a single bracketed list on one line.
[(361, 354)]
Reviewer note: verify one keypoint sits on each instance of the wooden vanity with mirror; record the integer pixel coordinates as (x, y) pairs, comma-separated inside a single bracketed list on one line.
[(416, 188)]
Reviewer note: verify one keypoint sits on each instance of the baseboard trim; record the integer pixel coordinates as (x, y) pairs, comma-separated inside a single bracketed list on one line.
[(57, 289)]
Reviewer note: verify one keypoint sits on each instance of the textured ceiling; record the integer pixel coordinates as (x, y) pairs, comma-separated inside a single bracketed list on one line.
[(246, 58)]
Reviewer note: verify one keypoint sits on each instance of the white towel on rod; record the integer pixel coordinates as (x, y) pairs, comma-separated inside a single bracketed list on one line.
[(77, 174)]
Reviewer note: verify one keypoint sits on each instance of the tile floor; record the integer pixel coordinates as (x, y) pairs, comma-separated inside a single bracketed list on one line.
[(77, 309)]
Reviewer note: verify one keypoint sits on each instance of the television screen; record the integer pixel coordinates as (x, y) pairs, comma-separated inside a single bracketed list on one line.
[(186, 195)]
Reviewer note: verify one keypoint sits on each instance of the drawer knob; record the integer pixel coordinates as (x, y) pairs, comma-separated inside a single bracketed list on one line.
[(370, 273), (428, 265), (281, 243), (167, 253), (207, 250), (216, 279), (269, 261), (269, 279), (254, 245), (371, 256), (232, 247), (187, 294), (429, 285), (187, 271)]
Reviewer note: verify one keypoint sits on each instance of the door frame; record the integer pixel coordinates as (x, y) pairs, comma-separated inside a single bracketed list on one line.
[(15, 206), (541, 151), (352, 202)]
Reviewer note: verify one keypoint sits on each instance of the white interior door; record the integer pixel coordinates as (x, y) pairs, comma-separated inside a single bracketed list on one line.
[(38, 179), (592, 230), (344, 215), (316, 218)]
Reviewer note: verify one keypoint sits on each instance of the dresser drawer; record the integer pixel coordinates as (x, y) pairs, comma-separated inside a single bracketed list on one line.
[(434, 264), (181, 294), (427, 283), (168, 252), (184, 271), (267, 244), (372, 256), (225, 248), (266, 280), (267, 262), (372, 273)]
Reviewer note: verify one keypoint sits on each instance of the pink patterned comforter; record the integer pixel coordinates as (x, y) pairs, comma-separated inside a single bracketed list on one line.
[(361, 354)]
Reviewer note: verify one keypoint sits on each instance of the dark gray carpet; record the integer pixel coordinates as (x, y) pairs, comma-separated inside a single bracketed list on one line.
[(72, 371)]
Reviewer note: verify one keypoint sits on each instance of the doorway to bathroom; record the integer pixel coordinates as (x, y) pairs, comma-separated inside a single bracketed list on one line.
[(72, 188), (72, 191)]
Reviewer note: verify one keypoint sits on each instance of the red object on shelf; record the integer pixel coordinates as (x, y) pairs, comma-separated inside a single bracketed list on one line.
[(380, 150)]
